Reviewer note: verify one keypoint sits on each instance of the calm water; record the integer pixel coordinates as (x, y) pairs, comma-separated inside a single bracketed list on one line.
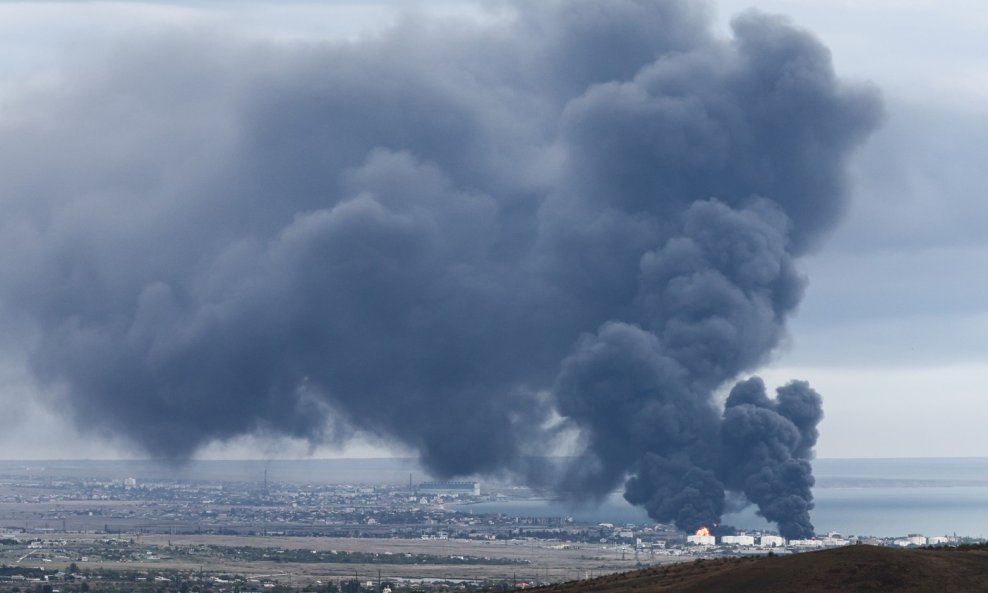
[(860, 507), (858, 511)]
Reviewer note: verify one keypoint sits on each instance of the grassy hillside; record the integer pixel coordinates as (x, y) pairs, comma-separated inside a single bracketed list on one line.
[(842, 570)]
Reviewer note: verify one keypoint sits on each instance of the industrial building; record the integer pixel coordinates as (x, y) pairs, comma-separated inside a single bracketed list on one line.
[(702, 540), (449, 488), (738, 540)]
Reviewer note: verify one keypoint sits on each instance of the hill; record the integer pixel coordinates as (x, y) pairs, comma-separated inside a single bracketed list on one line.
[(850, 569)]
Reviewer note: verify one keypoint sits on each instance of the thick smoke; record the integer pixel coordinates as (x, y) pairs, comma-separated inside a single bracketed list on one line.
[(766, 448), (468, 238)]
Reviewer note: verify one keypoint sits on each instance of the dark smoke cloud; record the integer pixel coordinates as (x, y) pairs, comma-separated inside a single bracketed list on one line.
[(766, 450), (466, 238)]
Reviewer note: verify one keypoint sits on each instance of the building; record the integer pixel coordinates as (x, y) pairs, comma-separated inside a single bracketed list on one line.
[(912, 540), (738, 540), (771, 541), (701, 540), (450, 488)]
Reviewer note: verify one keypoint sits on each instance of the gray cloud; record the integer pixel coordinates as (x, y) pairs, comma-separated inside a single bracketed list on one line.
[(443, 236)]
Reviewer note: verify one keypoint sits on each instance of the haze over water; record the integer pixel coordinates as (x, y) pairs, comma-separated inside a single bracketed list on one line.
[(882, 512), (881, 497)]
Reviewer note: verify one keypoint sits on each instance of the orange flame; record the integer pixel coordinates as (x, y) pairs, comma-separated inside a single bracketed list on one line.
[(702, 531)]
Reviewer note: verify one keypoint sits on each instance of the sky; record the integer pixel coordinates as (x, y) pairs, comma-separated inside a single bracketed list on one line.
[(890, 327)]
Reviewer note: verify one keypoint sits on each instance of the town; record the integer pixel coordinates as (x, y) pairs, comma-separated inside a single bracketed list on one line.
[(68, 533)]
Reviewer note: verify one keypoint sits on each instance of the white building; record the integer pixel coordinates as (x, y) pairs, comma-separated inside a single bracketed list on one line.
[(771, 541), (912, 540), (701, 540), (738, 540)]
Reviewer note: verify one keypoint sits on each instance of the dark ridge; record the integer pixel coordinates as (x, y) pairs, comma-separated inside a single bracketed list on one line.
[(851, 569)]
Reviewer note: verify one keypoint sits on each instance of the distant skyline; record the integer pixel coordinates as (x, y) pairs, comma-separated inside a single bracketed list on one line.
[(891, 330)]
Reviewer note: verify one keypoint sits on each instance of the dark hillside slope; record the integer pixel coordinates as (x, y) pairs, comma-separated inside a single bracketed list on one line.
[(850, 569)]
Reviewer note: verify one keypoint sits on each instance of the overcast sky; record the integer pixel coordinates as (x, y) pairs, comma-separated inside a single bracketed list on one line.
[(892, 327)]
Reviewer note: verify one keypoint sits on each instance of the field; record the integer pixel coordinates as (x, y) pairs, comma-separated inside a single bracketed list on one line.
[(272, 559)]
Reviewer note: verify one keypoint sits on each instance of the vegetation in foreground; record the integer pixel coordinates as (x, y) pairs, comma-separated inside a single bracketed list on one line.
[(851, 569)]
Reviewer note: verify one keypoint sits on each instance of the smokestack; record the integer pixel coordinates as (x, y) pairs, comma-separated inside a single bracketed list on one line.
[(583, 220)]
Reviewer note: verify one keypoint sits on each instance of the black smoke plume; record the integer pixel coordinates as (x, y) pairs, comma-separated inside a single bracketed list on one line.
[(472, 238)]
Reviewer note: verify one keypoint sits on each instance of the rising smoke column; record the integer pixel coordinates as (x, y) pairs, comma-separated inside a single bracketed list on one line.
[(581, 217), (767, 447)]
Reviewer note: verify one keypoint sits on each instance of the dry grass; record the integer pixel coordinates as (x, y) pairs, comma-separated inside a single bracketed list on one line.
[(853, 569)]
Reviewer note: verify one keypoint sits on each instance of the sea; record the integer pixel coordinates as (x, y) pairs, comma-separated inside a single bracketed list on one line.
[(876, 497), (865, 497)]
